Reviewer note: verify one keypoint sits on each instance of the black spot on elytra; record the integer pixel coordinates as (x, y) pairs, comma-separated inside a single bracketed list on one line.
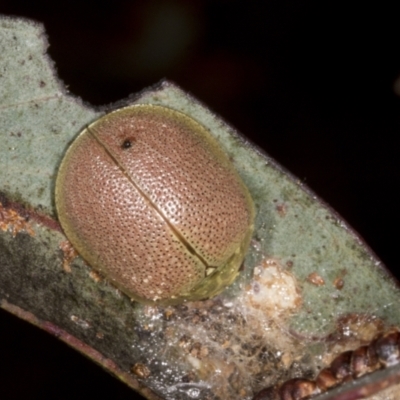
[(127, 143)]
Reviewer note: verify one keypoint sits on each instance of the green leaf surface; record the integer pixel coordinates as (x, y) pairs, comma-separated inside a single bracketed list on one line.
[(38, 117), (309, 290)]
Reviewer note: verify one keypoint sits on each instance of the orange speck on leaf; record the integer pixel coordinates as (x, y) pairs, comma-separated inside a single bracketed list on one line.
[(13, 222), (316, 279)]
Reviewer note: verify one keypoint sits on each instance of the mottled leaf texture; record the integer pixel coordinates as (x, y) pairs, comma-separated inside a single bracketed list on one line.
[(309, 289)]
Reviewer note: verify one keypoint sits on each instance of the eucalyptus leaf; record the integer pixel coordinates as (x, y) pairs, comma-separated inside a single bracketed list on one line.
[(309, 290)]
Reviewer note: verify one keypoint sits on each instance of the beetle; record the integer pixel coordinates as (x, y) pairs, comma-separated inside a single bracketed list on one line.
[(147, 196)]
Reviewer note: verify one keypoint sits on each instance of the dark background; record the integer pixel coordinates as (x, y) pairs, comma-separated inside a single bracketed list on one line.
[(313, 83)]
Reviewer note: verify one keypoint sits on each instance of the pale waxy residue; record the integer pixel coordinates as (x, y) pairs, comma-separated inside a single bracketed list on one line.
[(233, 347), (273, 290), (80, 322), (237, 340)]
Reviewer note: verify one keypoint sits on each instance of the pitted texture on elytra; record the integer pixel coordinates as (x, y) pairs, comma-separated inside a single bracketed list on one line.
[(146, 195), (107, 218), (183, 171)]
